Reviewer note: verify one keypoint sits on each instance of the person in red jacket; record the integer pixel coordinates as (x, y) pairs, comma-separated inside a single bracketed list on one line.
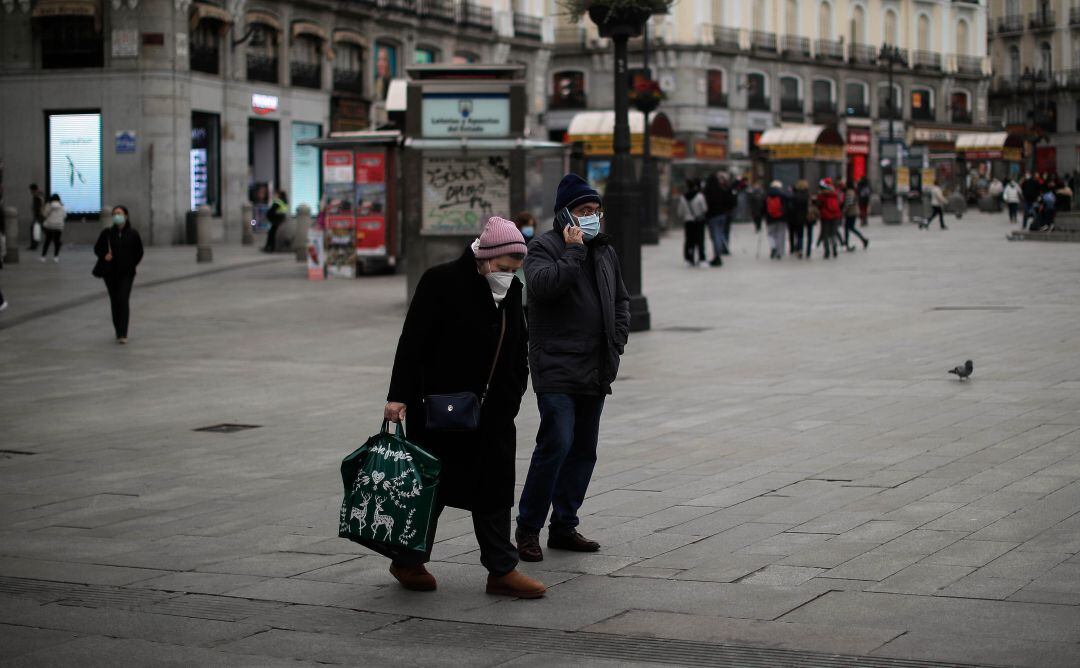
[(829, 210)]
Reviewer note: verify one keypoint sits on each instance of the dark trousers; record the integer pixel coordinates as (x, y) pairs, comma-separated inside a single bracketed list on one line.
[(940, 213), (53, 237), (119, 292), (1013, 207), (694, 244), (562, 463), (795, 238), (492, 529), (271, 236), (849, 229), (828, 235)]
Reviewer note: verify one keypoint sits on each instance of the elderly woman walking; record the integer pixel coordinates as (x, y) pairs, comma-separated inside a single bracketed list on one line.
[(465, 332)]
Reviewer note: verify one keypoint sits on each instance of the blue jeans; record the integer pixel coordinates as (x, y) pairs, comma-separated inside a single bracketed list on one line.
[(718, 229), (562, 463)]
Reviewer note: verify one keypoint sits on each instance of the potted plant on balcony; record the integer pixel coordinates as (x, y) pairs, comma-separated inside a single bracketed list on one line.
[(616, 16), (646, 95)]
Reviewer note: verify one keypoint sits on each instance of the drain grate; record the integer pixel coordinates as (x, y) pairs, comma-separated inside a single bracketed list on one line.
[(628, 648), (686, 329), (227, 427), (8, 454)]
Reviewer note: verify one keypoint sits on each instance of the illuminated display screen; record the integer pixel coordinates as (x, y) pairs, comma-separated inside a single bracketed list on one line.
[(75, 161)]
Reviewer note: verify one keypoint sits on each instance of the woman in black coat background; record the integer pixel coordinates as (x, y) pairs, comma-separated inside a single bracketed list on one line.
[(448, 345), (120, 247)]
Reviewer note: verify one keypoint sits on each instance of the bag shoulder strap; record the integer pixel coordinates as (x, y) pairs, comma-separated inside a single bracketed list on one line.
[(495, 362)]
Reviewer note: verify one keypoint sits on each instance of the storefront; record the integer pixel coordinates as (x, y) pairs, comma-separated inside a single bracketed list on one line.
[(857, 151), (931, 158), (810, 152), (985, 156)]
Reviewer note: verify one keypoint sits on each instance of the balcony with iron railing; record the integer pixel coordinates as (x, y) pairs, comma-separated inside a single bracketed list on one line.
[(726, 38), (262, 68), (204, 58), (401, 6), (1042, 19), (858, 110), (305, 75), (863, 54), (960, 115), (824, 108), (763, 41), (927, 60), (1011, 23), (885, 111), (829, 49), (718, 100), (796, 46), (1068, 79), (349, 81), (570, 36), (922, 113), (969, 65), (475, 15), (757, 103), (439, 10), (1005, 84), (528, 27), (791, 104)]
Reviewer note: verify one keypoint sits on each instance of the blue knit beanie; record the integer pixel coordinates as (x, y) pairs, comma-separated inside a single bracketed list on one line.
[(574, 190)]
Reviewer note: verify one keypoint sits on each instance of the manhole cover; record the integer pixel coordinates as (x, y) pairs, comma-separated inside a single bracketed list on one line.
[(1002, 309), (684, 328), (8, 454), (227, 427)]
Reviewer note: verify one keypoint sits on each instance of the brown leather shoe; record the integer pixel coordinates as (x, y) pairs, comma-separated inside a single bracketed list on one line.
[(528, 545), (515, 584), (572, 541), (413, 578)]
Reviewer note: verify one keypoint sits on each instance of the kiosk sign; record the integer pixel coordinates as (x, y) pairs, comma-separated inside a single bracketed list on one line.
[(465, 115)]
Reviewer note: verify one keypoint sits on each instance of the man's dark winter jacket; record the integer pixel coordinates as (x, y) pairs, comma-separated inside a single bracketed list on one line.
[(126, 247), (447, 345), (579, 314)]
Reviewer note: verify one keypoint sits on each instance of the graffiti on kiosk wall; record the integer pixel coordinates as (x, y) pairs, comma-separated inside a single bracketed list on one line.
[(460, 193)]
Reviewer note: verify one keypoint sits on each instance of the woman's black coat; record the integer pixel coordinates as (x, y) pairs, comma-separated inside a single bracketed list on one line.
[(447, 345), (126, 246)]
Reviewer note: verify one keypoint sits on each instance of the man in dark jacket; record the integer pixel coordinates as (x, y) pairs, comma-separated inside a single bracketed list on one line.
[(1031, 190), (579, 321)]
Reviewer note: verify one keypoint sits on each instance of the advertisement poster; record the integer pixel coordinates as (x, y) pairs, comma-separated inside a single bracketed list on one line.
[(337, 167), (316, 255), (370, 204), (305, 168), (199, 180), (75, 161), (340, 246)]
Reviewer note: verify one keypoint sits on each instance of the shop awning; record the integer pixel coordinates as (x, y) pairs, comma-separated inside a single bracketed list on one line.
[(350, 37), (803, 142), (263, 18), (201, 10), (989, 145), (49, 8), (596, 130), (308, 28)]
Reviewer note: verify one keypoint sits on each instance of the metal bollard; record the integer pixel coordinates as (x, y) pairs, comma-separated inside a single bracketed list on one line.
[(247, 234), (300, 232), (203, 231), (11, 234)]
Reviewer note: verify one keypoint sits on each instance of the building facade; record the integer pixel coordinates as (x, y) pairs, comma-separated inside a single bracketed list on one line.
[(733, 69), (167, 105), (1035, 51)]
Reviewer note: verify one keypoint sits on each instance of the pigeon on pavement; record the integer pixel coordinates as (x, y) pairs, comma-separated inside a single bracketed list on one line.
[(963, 371)]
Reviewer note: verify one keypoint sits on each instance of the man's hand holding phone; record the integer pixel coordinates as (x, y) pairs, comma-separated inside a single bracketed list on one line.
[(572, 234)]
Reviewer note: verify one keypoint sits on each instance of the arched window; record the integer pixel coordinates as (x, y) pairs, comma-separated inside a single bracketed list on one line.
[(757, 91), (960, 106), (824, 96), (348, 65), (858, 25), (262, 52), (1014, 62), (568, 90), (825, 21), (717, 91), (891, 36), (895, 102), (465, 58), (791, 17), (962, 45), (425, 55), (1046, 59), (923, 34), (790, 93), (855, 99), (305, 61), (922, 104)]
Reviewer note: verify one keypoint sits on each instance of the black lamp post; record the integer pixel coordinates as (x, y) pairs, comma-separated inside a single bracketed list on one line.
[(890, 56), (650, 226), (1031, 130), (622, 205)]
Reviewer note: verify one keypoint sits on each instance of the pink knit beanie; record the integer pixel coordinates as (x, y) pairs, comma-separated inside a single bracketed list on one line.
[(500, 237)]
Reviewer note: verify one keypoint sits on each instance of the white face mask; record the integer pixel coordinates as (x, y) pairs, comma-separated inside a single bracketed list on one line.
[(590, 225), (499, 282)]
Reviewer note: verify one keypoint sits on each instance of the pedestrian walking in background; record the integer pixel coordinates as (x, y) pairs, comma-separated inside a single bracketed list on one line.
[(776, 215), (1011, 196), (1031, 189), (692, 210), (37, 211), (716, 214), (121, 249), (1045, 209), (865, 193), (938, 201), (465, 332), (828, 204), (526, 224), (579, 322), (53, 226), (276, 215), (851, 211), (756, 199), (799, 216)]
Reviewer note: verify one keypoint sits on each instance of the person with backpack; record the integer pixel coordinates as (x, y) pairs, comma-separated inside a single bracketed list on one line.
[(692, 210), (55, 215), (799, 217), (851, 210), (828, 204), (864, 192), (776, 214), (276, 214)]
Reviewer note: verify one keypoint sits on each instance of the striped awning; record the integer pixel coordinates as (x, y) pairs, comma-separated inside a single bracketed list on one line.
[(263, 18)]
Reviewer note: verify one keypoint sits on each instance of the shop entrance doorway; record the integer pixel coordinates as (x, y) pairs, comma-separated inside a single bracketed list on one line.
[(263, 175)]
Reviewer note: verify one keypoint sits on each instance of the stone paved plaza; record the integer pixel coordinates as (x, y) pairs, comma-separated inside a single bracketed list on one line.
[(787, 472)]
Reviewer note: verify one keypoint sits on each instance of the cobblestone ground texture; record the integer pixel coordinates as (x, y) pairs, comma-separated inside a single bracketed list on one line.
[(785, 465)]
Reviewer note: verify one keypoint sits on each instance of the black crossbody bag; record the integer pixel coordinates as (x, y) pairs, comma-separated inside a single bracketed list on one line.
[(460, 411)]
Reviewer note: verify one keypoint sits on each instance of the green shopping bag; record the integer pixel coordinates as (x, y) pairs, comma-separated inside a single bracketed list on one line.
[(390, 488)]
